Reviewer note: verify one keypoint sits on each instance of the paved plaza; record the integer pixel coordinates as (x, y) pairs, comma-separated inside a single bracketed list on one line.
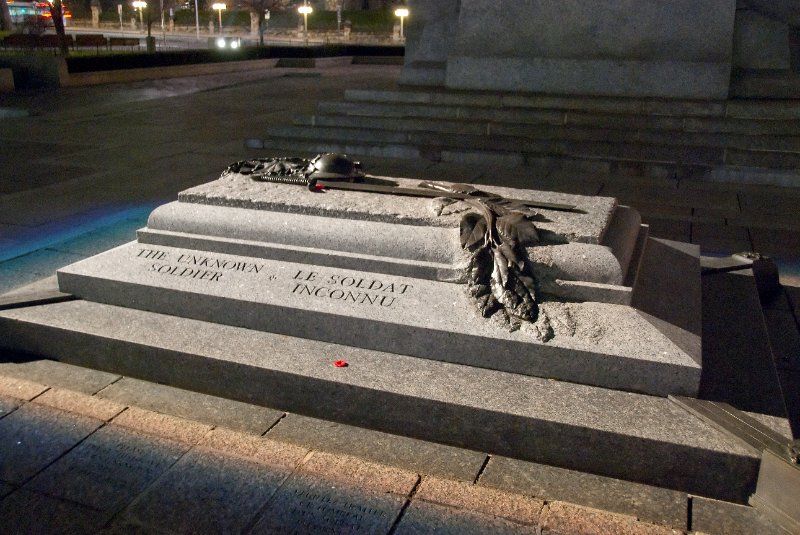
[(84, 451)]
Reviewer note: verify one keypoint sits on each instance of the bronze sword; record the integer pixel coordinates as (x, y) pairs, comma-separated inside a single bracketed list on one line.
[(321, 185)]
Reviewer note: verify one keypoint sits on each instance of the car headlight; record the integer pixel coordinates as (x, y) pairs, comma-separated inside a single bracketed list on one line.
[(221, 43)]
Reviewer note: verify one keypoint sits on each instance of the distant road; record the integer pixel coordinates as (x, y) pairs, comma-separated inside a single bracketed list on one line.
[(184, 40)]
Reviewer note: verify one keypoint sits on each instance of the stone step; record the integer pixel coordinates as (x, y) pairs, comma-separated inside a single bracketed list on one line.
[(761, 109), (679, 108), (750, 171), (732, 125), (437, 141), (628, 134), (590, 429)]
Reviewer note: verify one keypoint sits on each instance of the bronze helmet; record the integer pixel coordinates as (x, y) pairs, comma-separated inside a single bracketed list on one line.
[(332, 165)]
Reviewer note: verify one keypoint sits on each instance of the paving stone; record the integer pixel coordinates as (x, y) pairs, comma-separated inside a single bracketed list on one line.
[(33, 436), (109, 469), (208, 493), (192, 405), (127, 527), (422, 518), (713, 246), (786, 222), (793, 295), (306, 504), (784, 338), (20, 388), (672, 196), (162, 425), (515, 507), (43, 262), (778, 243), (737, 360), (83, 404), (11, 279), (790, 386), (779, 201), (652, 504), (59, 374), (778, 302), (5, 489), (357, 473), (30, 512), (711, 230), (567, 519), (415, 455), (713, 215), (8, 405), (669, 229), (101, 239), (660, 211), (713, 516), (255, 448)]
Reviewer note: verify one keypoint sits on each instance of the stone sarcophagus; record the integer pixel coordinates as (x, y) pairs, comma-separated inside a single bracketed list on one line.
[(534, 283)]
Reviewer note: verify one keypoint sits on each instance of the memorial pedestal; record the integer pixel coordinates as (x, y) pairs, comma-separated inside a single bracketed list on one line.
[(252, 290)]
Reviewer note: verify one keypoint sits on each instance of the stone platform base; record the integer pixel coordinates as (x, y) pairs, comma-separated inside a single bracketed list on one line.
[(620, 434)]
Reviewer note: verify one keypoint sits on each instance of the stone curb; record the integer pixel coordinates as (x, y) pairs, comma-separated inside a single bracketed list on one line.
[(560, 518), (82, 404), (20, 389), (161, 425), (515, 507)]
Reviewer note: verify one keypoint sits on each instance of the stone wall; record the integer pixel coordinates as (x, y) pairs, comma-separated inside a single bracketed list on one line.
[(639, 48)]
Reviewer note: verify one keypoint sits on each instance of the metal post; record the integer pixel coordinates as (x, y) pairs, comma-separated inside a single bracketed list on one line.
[(197, 19)]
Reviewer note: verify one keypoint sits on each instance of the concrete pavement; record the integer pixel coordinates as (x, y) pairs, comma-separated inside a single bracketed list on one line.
[(101, 452)]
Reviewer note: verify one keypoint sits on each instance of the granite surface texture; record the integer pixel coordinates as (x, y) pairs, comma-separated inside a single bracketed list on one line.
[(623, 48), (240, 191), (593, 343), (619, 434)]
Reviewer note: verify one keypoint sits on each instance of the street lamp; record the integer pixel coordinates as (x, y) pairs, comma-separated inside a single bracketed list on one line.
[(401, 12), (306, 10), (219, 6), (140, 5), (197, 19)]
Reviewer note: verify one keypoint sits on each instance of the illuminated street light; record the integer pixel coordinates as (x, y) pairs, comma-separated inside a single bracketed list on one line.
[(401, 12), (140, 5), (219, 6), (306, 10)]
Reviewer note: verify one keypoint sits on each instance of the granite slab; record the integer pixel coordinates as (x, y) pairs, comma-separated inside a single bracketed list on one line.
[(424, 517), (625, 435), (57, 374), (648, 503), (394, 234), (34, 436), (305, 504), (109, 469), (207, 492), (240, 191), (192, 406), (591, 343), (410, 454), (30, 512)]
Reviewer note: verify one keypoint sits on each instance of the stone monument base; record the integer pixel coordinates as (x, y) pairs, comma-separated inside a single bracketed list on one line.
[(647, 439), (362, 305)]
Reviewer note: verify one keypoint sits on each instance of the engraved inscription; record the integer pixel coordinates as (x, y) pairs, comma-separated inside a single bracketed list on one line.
[(359, 290), (198, 267), (304, 510)]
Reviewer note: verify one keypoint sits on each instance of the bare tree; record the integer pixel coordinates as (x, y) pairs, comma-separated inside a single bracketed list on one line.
[(260, 8), (5, 16), (57, 14)]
